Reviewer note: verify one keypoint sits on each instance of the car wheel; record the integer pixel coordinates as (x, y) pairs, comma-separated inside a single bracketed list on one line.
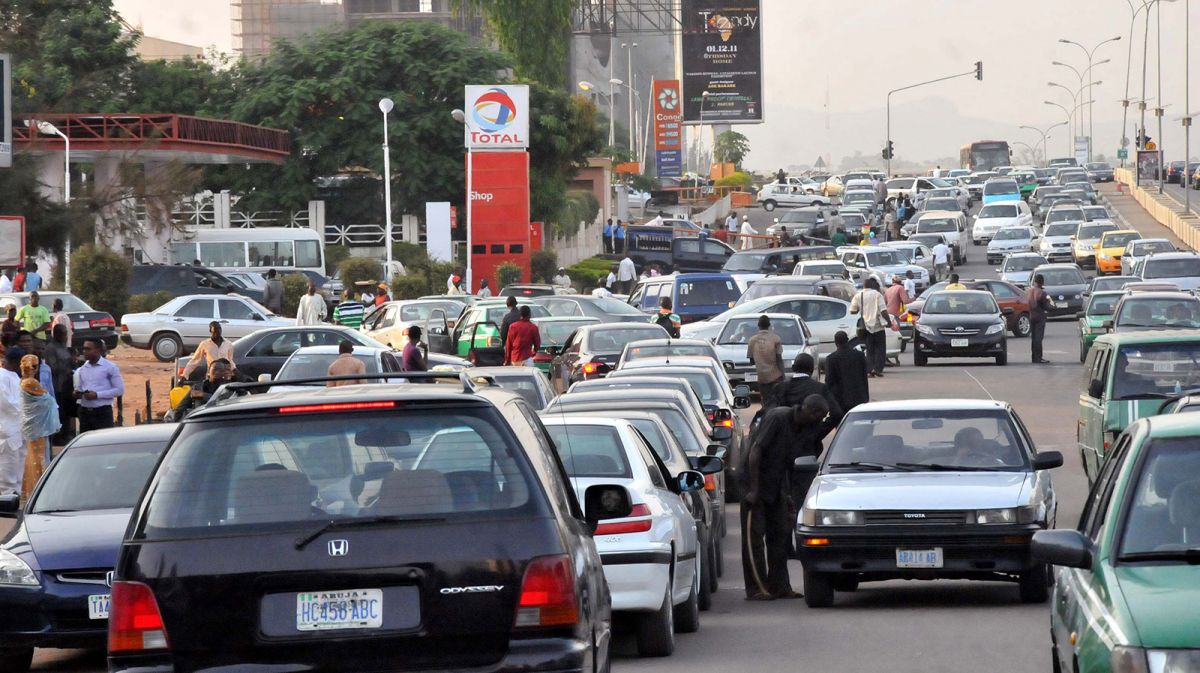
[(687, 613), (919, 358), (1002, 359), (1024, 326), (818, 589), (166, 347), (1035, 584), (17, 660), (708, 579), (656, 631), (847, 583), (768, 206)]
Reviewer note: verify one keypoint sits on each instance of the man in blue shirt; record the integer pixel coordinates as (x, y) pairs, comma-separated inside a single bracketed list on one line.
[(608, 233), (33, 279), (619, 238)]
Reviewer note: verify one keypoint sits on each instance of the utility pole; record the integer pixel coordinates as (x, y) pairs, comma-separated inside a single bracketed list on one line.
[(977, 71)]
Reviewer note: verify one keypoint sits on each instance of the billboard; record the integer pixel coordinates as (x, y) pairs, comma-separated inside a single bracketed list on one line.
[(722, 54), (5, 111), (1148, 163), (499, 214), (496, 117), (668, 128), (12, 241)]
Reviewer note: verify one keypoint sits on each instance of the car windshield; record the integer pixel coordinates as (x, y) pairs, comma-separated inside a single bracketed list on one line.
[(980, 178), (495, 314), (936, 225), (816, 269), (1156, 370), (555, 332), (1164, 512), (1014, 234), (1177, 312), (746, 261), (1151, 247), (765, 288), (941, 204), (853, 219), (1093, 231), (927, 240), (1000, 187), (1023, 263), (591, 450), (934, 440), (1062, 276), (800, 216), (1103, 304), (1101, 284), (855, 197), (884, 258), (1099, 167), (613, 339), (1119, 240), (702, 381), (667, 350), (739, 330), (1096, 213), (1061, 229), (1065, 215), (105, 476), (298, 468), (419, 311), (960, 303), (1187, 267), (997, 210), (904, 255), (615, 306), (316, 365), (716, 292)]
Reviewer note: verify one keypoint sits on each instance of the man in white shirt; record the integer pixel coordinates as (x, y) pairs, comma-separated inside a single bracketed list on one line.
[(941, 259), (747, 232), (910, 284), (12, 454), (626, 275), (870, 306), (731, 223), (312, 310), (5, 281), (610, 282)]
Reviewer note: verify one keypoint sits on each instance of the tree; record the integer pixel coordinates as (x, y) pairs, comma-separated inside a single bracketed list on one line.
[(731, 147), (536, 33), (563, 133), (206, 88)]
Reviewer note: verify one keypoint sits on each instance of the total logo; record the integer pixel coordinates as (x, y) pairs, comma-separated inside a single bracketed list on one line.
[(485, 197), (494, 112)]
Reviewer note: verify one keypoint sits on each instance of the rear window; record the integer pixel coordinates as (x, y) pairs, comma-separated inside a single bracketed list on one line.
[(664, 350), (740, 330), (936, 226), (590, 450), (88, 478), (768, 289), (707, 292), (304, 469), (1065, 215), (614, 340), (1006, 187), (313, 365), (1172, 268), (1062, 276)]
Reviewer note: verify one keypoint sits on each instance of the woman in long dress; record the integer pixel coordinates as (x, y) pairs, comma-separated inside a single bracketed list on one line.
[(39, 422)]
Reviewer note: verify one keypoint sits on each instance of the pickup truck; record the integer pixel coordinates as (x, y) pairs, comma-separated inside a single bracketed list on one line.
[(665, 249)]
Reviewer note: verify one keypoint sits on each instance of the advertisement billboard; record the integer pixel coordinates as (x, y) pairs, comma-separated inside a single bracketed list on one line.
[(668, 128), (1148, 163), (5, 111), (12, 241), (497, 117), (499, 214), (722, 54)]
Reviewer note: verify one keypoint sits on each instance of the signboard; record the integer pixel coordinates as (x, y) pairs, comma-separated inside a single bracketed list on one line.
[(497, 117), (499, 214), (12, 241), (437, 230), (722, 54), (1081, 150), (1122, 153), (668, 128), (1148, 162), (6, 111)]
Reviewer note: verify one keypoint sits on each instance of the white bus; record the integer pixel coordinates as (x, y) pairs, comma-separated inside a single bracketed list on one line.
[(284, 249)]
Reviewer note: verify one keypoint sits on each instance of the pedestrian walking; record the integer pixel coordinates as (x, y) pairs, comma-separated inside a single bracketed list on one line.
[(910, 285), (607, 236), (62, 363), (60, 317), (880, 190), (871, 308), (524, 340), (846, 374), (5, 282), (39, 422), (215, 347), (511, 317), (381, 295), (273, 293), (34, 318), (412, 358), (838, 238), (345, 364), (793, 391), (746, 232), (348, 313), (619, 238), (909, 209), (12, 445), (19, 280), (731, 223), (484, 291), (666, 318), (765, 350), (941, 261), (896, 297), (312, 309), (28, 344), (98, 384), (610, 281), (1039, 304), (626, 274), (33, 279)]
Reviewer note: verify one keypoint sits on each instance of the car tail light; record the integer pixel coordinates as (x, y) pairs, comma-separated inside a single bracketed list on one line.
[(339, 406), (103, 322), (593, 367), (710, 483), (543, 357), (135, 624), (628, 525), (547, 593), (124, 327)]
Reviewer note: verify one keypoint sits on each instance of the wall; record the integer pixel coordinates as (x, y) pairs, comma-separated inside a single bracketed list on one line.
[(1187, 228)]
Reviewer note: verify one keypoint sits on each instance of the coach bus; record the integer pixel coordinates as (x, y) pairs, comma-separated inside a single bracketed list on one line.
[(985, 155), (253, 249)]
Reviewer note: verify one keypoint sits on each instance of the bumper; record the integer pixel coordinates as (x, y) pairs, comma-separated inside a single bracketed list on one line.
[(1111, 265), (108, 336), (978, 346), (997, 256), (1066, 307), (637, 580), (56, 618), (1059, 255), (1082, 258)]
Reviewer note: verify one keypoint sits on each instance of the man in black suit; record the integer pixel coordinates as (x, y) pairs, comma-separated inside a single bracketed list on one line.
[(846, 374), (792, 392)]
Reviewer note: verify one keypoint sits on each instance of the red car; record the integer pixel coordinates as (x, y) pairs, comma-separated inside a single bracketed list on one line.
[(1010, 298)]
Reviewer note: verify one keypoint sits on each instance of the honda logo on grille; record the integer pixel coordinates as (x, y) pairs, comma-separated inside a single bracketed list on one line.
[(339, 547)]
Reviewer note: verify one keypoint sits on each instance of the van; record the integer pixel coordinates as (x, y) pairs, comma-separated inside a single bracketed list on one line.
[(179, 280), (694, 296), (1127, 376), (952, 225), (768, 261)]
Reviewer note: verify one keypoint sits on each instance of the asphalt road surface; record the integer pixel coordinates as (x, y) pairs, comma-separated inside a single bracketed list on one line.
[(891, 627)]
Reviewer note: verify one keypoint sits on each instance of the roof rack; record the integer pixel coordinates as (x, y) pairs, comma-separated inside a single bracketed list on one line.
[(230, 390)]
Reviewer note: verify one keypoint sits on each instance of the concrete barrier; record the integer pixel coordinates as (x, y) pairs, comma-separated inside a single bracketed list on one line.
[(1162, 209)]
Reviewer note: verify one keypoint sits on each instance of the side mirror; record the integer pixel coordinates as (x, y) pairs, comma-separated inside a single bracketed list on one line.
[(1007, 311), (1067, 548), (1096, 389), (722, 434), (607, 501), (742, 390), (707, 464), (717, 450), (9, 505), (805, 464), (689, 481), (1047, 460), (1107, 324), (264, 378), (1080, 316)]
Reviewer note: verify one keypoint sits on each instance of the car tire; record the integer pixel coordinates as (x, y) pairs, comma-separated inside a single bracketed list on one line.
[(708, 578), (1082, 351), (919, 358), (656, 630), (1034, 584), (687, 613), (1024, 326), (847, 583), (719, 562), (818, 589), (166, 347), (1002, 359), (16, 660), (768, 205)]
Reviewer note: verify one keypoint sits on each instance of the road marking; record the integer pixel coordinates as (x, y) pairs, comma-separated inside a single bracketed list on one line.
[(985, 390)]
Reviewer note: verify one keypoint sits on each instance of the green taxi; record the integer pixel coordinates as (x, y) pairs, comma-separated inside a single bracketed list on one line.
[(1127, 591), (1127, 376), (1099, 308), (1027, 181), (478, 327)]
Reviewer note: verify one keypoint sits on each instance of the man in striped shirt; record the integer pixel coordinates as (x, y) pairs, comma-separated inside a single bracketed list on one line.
[(349, 313)]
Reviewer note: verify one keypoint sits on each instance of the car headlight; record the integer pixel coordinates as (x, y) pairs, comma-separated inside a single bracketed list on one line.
[(15, 572), (995, 329), (1172, 661), (1128, 660), (1006, 515), (925, 329), (1079, 295), (831, 517)]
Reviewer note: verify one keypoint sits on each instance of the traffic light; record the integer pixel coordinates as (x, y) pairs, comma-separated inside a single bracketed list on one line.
[(979, 70), (888, 152)]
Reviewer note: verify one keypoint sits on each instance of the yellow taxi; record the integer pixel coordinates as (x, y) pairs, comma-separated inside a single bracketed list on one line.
[(1110, 248)]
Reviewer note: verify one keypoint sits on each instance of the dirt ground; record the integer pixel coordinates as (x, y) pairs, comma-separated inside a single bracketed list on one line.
[(137, 368)]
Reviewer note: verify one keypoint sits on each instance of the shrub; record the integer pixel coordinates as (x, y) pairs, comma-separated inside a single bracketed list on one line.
[(412, 286), (581, 205), (409, 254), (738, 179), (334, 256), (145, 303), (358, 269), (590, 273), (508, 274), (294, 287), (543, 264), (100, 277)]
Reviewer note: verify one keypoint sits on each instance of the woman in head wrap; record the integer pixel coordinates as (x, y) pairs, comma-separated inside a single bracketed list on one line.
[(39, 422)]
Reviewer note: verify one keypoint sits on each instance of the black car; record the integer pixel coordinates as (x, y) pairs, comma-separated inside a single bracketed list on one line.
[(593, 350), (265, 351), (1099, 171), (64, 543), (667, 250), (364, 528), (960, 324), (1065, 285), (86, 322), (606, 309), (184, 279), (1175, 172)]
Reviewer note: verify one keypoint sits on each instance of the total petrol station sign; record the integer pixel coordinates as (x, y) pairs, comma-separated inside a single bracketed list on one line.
[(497, 117), (668, 128)]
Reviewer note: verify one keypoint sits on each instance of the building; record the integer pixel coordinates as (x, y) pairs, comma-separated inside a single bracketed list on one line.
[(156, 49)]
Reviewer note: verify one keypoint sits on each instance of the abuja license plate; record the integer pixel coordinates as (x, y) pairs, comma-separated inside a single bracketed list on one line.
[(919, 558), (333, 610), (960, 343), (80, 324), (98, 606)]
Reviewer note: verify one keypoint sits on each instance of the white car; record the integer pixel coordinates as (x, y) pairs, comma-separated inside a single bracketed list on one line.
[(248, 279), (882, 263), (1098, 214), (786, 196), (1018, 267), (996, 216), (178, 326), (1180, 268), (909, 187), (651, 560), (1055, 244), (918, 254), (1010, 240), (1135, 251), (952, 225), (731, 344), (820, 267), (389, 323), (312, 362), (957, 193)]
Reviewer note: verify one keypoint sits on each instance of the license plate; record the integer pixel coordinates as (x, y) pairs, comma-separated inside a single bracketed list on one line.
[(960, 343), (919, 558), (1059, 304), (333, 610), (80, 324), (98, 606)]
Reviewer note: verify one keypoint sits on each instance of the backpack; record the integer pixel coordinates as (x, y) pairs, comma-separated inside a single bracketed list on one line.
[(664, 321)]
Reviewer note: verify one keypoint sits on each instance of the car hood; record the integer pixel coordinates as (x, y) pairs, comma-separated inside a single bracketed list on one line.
[(703, 329), (1017, 277), (1056, 239), (1009, 244), (70, 539), (980, 320), (995, 222), (1162, 602), (920, 490)]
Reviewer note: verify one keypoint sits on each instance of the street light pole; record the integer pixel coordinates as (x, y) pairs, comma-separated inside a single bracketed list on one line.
[(1187, 103), (977, 72), (1067, 123), (1128, 64), (462, 119), (1090, 53), (629, 47), (1045, 135), (46, 128), (1079, 75), (385, 106)]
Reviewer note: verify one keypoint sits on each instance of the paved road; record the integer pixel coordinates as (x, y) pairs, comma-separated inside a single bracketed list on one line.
[(893, 627)]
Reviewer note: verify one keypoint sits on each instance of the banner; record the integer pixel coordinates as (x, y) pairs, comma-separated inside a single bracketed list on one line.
[(497, 117), (5, 111), (722, 54), (668, 128), (1148, 164), (12, 241)]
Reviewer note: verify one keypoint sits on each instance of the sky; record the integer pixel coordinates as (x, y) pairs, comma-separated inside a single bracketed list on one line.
[(857, 51)]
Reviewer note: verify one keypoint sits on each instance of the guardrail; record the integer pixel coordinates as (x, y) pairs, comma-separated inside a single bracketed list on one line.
[(1165, 212)]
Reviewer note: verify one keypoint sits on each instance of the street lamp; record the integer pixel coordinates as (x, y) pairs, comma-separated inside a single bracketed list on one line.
[(47, 129), (1045, 134), (462, 119), (634, 122), (612, 127), (1091, 53), (700, 132), (1067, 112), (629, 47), (385, 106)]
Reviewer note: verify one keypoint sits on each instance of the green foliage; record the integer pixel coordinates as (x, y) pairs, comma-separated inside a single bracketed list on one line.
[(536, 33), (543, 264), (590, 273), (100, 277), (334, 256), (411, 286), (738, 179), (644, 183), (145, 303), (581, 206), (564, 133), (731, 147), (508, 274), (410, 254), (356, 269), (188, 86), (295, 285)]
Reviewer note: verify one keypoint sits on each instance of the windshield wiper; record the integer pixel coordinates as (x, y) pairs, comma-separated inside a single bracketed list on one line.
[(1190, 555), (1144, 396), (939, 467), (54, 511), (878, 467), (303, 540)]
